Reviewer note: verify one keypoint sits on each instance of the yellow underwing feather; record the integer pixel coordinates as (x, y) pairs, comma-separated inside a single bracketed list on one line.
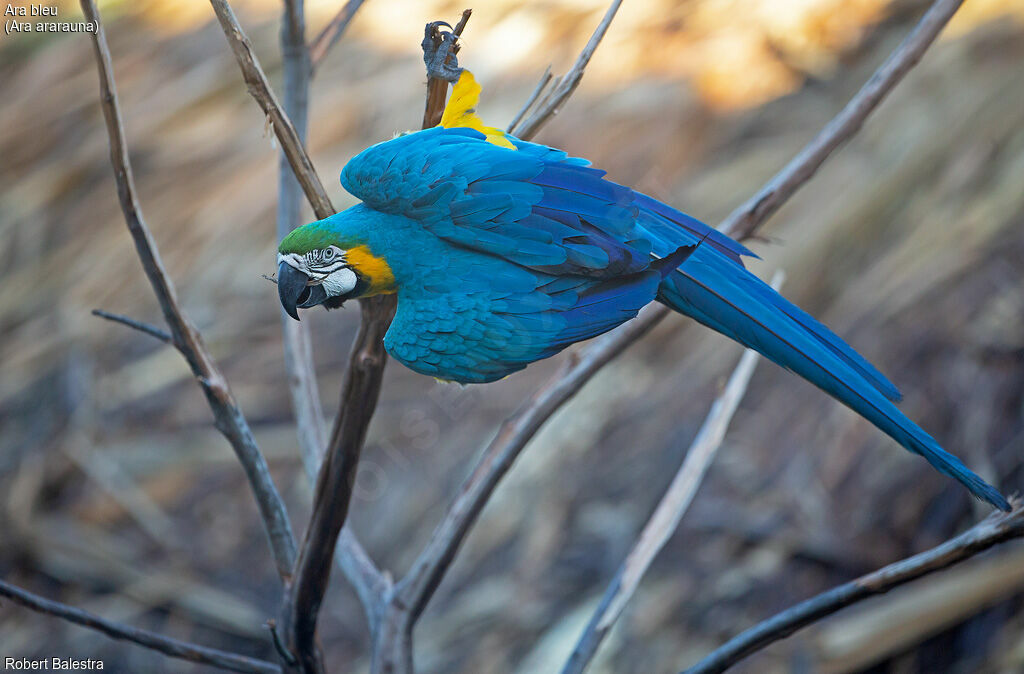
[(461, 111)]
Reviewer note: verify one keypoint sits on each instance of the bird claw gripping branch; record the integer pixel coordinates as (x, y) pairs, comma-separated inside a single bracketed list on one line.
[(440, 48)]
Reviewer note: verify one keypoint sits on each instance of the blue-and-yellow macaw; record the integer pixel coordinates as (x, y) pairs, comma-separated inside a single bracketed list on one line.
[(504, 252)]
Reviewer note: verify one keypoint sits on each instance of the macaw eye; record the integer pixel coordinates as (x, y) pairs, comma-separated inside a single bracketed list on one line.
[(328, 254)]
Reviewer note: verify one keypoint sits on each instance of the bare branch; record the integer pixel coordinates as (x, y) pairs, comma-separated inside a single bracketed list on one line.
[(151, 640), (150, 330), (544, 80), (566, 85), (748, 217), (995, 529), (227, 415), (668, 513), (429, 568), (332, 32)]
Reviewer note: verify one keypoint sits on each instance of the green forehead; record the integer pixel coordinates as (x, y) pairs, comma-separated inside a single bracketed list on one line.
[(309, 237)]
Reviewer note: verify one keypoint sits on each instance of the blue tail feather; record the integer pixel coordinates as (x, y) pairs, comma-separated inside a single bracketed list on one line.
[(712, 289)]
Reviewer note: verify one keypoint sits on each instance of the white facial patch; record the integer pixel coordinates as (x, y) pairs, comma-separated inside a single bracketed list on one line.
[(292, 260), (339, 282)]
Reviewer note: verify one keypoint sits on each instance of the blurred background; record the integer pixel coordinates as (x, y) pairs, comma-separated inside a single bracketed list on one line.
[(117, 494)]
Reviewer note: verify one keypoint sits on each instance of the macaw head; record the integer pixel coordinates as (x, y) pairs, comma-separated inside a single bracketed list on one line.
[(315, 265)]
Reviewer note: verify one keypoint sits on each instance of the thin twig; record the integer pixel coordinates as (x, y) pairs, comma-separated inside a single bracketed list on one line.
[(331, 33), (147, 328), (668, 513), (430, 566), (227, 415), (151, 640), (567, 84), (997, 528), (745, 219), (544, 79)]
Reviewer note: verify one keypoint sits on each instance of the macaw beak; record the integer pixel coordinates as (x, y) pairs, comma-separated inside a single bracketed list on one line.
[(295, 292)]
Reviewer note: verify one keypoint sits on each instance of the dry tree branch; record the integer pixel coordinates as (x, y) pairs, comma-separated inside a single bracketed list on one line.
[(331, 33), (669, 512), (997, 528), (227, 415), (151, 330), (432, 563), (337, 476), (151, 640), (360, 391), (566, 84)]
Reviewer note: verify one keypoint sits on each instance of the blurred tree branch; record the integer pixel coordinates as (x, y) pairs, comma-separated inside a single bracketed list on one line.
[(151, 640), (545, 78), (997, 528), (298, 348), (360, 389)]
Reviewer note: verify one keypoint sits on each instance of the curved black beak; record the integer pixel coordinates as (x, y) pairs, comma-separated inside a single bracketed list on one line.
[(291, 286), (295, 292)]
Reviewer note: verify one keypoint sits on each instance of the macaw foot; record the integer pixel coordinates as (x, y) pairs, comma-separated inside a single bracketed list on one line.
[(439, 51)]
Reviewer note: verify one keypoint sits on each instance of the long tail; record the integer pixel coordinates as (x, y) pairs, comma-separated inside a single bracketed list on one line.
[(714, 290)]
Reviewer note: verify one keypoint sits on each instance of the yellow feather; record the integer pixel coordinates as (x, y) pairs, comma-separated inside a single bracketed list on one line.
[(461, 111), (372, 268)]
